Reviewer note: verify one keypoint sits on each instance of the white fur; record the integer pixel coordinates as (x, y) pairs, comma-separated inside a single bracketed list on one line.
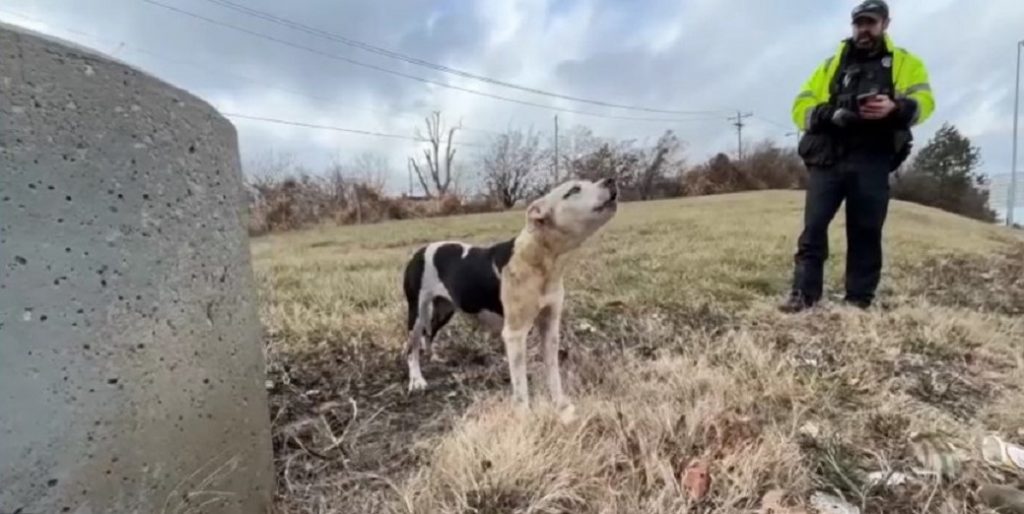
[(532, 292), (532, 287)]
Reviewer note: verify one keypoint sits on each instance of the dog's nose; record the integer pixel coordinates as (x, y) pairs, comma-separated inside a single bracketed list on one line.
[(609, 182)]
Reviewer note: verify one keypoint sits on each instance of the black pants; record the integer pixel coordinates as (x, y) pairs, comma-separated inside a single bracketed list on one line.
[(863, 181)]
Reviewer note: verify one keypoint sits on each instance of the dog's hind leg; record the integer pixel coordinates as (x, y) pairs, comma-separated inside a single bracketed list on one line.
[(418, 331), (442, 314), (491, 322), (418, 316)]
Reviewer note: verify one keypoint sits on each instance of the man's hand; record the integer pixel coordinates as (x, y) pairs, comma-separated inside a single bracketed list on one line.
[(877, 108)]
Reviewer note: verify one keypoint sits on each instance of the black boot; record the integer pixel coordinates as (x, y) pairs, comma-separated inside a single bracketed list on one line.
[(857, 302), (796, 302)]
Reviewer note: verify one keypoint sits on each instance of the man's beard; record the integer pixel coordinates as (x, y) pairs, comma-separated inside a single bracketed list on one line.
[(866, 41)]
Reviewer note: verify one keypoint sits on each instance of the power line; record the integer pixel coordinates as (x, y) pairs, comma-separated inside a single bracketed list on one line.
[(336, 129), (121, 44), (789, 130), (286, 90), (414, 77), (772, 122), (268, 86), (221, 71), (434, 66)]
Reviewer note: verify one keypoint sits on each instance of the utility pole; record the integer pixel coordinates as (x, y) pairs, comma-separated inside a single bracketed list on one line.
[(410, 180), (556, 149), (1011, 195), (739, 131)]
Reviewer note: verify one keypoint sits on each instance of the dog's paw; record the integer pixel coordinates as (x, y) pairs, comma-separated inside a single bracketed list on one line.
[(567, 414), (435, 358), (417, 384)]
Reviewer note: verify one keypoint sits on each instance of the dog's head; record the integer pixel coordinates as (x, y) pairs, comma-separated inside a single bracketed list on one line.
[(571, 212)]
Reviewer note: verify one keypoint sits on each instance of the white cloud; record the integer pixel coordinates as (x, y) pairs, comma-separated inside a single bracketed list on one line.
[(697, 54)]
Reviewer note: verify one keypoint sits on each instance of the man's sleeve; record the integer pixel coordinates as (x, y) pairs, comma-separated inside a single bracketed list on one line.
[(806, 102), (916, 102)]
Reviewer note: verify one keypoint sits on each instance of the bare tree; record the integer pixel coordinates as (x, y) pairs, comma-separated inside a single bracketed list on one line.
[(370, 169), (436, 170), (510, 165), (575, 145), (620, 161), (357, 180), (337, 182), (268, 166), (656, 162)]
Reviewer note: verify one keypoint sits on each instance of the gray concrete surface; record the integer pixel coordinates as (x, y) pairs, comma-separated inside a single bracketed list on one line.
[(131, 368)]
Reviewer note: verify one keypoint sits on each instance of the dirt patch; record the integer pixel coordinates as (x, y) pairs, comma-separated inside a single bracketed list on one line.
[(946, 385), (347, 435), (345, 428), (989, 284)]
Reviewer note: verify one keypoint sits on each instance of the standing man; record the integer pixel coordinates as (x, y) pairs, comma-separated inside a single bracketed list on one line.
[(856, 111)]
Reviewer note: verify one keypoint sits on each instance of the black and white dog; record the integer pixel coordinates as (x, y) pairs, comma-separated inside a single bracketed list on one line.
[(508, 286)]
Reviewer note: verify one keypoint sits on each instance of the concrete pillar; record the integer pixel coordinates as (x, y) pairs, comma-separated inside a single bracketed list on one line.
[(131, 368)]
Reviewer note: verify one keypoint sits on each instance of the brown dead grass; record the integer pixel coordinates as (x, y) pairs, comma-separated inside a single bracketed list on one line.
[(675, 356)]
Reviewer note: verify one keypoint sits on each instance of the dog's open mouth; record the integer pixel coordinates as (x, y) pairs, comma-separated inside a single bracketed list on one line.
[(608, 204)]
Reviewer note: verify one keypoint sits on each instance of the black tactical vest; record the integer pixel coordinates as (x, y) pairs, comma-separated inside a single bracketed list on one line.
[(857, 75), (862, 75)]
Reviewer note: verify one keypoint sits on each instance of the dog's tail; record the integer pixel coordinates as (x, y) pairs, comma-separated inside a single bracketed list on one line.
[(412, 283)]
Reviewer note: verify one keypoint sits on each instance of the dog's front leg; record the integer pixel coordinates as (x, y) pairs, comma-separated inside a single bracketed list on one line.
[(549, 323), (514, 337), (520, 300)]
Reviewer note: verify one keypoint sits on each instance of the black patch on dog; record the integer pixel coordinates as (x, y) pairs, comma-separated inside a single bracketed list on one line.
[(411, 284), (470, 281)]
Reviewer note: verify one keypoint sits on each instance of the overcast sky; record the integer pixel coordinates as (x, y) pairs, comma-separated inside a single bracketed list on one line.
[(692, 55)]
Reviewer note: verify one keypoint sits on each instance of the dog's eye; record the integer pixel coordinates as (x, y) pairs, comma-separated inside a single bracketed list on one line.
[(574, 190)]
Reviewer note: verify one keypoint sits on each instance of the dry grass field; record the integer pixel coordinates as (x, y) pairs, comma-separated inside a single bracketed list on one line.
[(675, 357)]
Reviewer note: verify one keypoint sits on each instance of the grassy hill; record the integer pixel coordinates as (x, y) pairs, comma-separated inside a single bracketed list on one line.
[(675, 356)]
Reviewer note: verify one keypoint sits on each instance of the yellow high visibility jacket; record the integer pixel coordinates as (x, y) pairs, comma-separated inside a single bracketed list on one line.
[(910, 78)]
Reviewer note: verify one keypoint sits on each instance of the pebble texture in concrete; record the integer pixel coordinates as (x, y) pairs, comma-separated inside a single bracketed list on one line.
[(131, 368)]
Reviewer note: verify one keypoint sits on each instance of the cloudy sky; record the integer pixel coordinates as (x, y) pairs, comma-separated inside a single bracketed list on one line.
[(702, 57)]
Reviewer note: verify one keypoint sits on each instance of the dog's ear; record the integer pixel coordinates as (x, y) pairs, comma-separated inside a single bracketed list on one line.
[(539, 213)]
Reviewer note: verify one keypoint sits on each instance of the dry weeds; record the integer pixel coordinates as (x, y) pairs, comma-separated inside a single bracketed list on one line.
[(675, 356)]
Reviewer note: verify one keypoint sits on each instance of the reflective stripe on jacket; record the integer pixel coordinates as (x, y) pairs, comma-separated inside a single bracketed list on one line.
[(910, 78)]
